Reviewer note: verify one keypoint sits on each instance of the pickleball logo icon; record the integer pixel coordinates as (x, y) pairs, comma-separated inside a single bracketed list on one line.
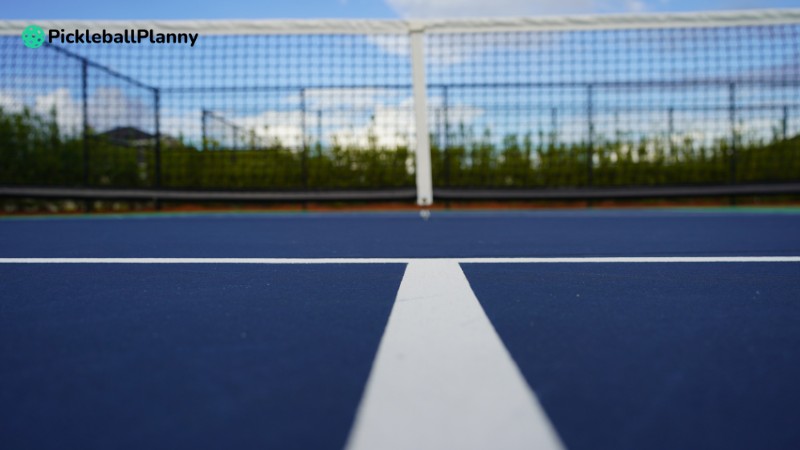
[(33, 36)]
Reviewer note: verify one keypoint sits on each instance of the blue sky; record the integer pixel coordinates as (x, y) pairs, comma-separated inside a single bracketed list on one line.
[(243, 9)]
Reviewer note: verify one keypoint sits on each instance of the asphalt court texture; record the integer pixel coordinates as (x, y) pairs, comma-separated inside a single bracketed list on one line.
[(445, 235), (654, 355), (616, 355), (199, 356)]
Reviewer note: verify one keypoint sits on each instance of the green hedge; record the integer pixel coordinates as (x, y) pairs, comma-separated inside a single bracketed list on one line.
[(519, 163), (33, 151)]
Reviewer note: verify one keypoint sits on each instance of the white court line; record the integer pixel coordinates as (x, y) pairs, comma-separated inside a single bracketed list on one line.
[(442, 377), (570, 260)]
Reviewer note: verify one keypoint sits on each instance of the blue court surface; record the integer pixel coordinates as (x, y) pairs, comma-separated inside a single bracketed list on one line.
[(578, 329)]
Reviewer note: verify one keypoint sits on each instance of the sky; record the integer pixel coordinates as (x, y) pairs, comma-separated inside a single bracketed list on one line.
[(381, 9)]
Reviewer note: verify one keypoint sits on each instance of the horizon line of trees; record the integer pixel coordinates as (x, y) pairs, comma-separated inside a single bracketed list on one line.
[(33, 151)]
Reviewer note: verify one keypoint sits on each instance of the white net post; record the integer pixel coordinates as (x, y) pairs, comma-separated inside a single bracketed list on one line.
[(423, 150)]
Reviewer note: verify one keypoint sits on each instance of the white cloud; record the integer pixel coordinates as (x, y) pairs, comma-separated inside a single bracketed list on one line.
[(393, 126), (108, 107), (635, 5), (497, 8), (390, 126), (67, 110), (510, 8), (376, 117), (9, 103), (274, 126)]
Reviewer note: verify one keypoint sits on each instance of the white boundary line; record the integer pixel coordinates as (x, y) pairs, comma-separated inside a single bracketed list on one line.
[(333, 26), (442, 378), (569, 260)]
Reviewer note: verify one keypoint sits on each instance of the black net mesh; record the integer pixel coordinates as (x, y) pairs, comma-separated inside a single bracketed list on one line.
[(234, 112), (615, 107), (610, 107)]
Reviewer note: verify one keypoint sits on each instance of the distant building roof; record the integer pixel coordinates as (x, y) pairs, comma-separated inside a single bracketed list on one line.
[(134, 137), (126, 134)]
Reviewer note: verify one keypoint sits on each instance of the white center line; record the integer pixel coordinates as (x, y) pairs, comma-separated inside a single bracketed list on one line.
[(525, 260), (442, 377)]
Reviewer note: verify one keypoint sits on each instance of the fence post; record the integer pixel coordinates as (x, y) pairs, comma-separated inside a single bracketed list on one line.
[(423, 150), (319, 131), (85, 114), (590, 144), (203, 130), (304, 156), (732, 110), (235, 136), (157, 95), (785, 122), (446, 143), (670, 127)]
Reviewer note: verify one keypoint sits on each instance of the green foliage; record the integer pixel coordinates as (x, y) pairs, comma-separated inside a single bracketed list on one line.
[(33, 151), (281, 168), (518, 162)]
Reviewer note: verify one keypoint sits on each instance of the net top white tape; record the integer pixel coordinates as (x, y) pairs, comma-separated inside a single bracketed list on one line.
[(333, 26)]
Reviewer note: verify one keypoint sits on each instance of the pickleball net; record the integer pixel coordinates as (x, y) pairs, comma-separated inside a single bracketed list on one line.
[(586, 102)]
